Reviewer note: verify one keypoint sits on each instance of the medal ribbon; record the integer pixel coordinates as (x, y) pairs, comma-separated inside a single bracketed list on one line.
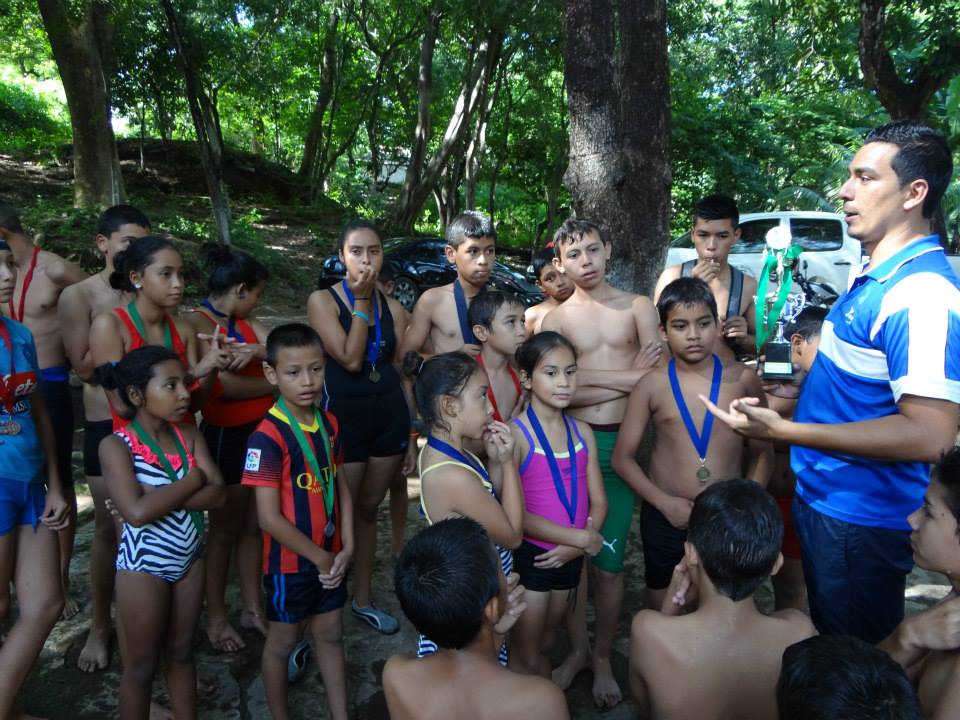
[(231, 321), (569, 504), (767, 319), (195, 515), (27, 279), (373, 346), (138, 322), (451, 452), (461, 299), (310, 454), (701, 441)]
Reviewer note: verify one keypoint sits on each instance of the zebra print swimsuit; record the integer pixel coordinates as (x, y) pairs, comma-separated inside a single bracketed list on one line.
[(168, 546)]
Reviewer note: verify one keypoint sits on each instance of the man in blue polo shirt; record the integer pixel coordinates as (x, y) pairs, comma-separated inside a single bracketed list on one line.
[(880, 402)]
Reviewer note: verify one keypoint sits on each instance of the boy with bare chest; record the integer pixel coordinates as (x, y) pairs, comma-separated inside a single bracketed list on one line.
[(617, 341), (690, 451), (722, 661)]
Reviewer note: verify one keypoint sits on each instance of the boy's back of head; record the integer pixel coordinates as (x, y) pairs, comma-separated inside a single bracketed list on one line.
[(573, 230), (9, 220), (687, 292), (717, 207), (444, 579), (114, 218), (835, 677), (808, 323), (470, 224), (736, 529), (291, 335), (484, 307)]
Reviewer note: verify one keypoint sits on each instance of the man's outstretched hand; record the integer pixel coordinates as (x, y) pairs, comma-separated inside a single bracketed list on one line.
[(746, 417)]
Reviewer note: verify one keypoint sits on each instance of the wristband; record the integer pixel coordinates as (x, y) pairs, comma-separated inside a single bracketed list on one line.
[(363, 315)]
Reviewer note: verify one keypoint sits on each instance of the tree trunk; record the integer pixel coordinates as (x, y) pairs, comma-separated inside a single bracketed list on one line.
[(312, 145), (207, 126), (81, 52), (619, 169)]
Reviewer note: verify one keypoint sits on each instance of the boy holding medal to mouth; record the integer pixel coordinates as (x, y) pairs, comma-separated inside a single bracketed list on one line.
[(305, 511), (690, 451)]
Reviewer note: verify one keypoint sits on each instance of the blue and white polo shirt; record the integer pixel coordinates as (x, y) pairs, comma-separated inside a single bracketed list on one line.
[(895, 332)]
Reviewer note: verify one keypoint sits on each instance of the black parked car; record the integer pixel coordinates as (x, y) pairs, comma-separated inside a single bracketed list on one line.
[(419, 264)]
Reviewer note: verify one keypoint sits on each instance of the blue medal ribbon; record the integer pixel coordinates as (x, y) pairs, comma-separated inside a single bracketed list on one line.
[(569, 504), (231, 321), (461, 457), (701, 441), (461, 300), (373, 346)]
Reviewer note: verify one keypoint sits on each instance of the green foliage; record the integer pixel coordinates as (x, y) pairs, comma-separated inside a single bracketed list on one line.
[(29, 123)]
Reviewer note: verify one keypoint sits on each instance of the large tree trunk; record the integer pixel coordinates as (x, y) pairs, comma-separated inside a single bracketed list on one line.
[(311, 148), (81, 51), (206, 123), (619, 170)]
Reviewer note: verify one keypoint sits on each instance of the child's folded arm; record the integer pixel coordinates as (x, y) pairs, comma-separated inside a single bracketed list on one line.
[(284, 532), (540, 528), (590, 395), (213, 494)]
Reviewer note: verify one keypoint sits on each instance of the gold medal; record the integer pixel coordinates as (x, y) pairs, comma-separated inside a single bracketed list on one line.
[(703, 474), (374, 375), (10, 428)]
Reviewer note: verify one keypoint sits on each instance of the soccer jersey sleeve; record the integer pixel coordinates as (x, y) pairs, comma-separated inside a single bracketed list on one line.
[(918, 329), (263, 466)]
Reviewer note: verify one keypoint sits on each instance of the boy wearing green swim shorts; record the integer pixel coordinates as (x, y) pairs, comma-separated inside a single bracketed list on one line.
[(618, 342)]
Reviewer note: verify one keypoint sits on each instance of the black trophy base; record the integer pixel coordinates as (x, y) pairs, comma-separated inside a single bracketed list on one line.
[(776, 364)]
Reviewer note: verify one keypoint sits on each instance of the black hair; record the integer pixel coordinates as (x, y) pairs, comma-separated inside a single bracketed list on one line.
[(947, 472), (542, 259), (834, 677), (717, 207), (737, 530), (357, 224), (133, 370), (923, 154), (536, 346), (229, 268), (136, 258), (387, 272), (471, 224), (291, 335), (573, 230), (444, 374), (688, 292), (484, 307), (444, 579), (808, 323), (9, 218), (114, 218)]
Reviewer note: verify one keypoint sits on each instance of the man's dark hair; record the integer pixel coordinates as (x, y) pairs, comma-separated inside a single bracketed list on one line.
[(808, 323), (485, 306), (471, 224), (572, 230), (737, 530), (717, 207), (924, 154), (686, 292), (947, 471), (542, 259), (114, 218), (835, 677), (291, 335), (444, 579), (9, 218)]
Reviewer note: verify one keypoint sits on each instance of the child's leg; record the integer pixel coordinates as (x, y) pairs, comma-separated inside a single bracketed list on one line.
[(559, 602), (526, 638), (327, 630), (32, 557), (373, 479), (249, 554), (226, 525), (103, 557), (579, 656), (281, 637), (398, 512), (143, 620), (180, 671), (66, 538)]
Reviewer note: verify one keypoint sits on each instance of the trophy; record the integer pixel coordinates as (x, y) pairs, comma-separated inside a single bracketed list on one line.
[(776, 308)]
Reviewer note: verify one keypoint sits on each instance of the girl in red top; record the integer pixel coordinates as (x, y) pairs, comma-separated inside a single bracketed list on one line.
[(238, 401)]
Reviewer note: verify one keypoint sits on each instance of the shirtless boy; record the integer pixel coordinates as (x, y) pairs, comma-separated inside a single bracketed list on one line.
[(41, 279), (617, 341), (555, 285), (451, 587), (79, 305), (690, 451), (715, 230), (440, 315), (722, 660), (497, 321)]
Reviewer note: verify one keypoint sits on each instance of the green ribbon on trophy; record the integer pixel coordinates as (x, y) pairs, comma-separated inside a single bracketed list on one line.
[(779, 255)]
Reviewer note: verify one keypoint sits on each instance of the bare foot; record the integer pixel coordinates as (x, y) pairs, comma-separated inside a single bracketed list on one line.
[(223, 637), (253, 620), (96, 651), (70, 607), (159, 712), (572, 665), (606, 692)]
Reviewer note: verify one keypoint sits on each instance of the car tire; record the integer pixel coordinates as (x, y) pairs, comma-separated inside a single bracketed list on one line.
[(405, 291)]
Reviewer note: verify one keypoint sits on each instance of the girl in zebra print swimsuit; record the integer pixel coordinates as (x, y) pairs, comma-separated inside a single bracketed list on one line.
[(160, 477)]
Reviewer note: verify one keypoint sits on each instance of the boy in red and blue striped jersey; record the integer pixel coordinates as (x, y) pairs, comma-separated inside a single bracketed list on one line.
[(306, 515)]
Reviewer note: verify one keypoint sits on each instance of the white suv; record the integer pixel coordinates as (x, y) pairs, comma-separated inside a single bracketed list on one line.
[(829, 254)]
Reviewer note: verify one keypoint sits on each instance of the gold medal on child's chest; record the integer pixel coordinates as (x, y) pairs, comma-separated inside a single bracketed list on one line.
[(10, 428), (374, 375), (703, 474)]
